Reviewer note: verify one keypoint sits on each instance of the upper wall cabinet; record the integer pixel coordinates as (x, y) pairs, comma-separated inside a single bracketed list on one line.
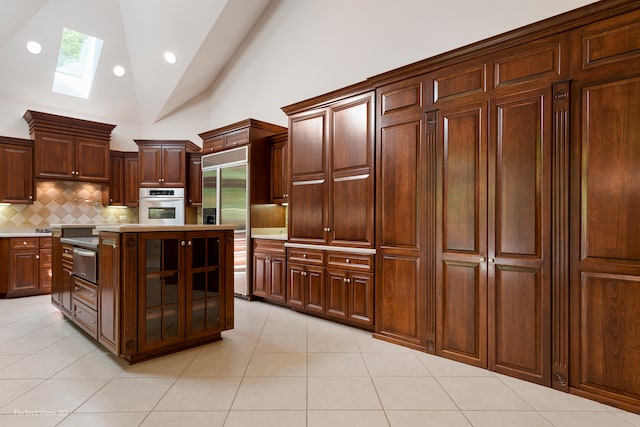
[(163, 163), (68, 148), (331, 169), (16, 171)]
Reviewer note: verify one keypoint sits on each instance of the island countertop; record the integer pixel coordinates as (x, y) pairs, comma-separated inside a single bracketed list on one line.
[(141, 228)]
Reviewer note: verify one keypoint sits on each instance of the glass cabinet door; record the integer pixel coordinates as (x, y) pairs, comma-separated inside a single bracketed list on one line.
[(203, 283), (160, 292)]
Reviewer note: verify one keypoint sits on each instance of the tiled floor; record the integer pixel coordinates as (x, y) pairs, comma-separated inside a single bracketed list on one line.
[(277, 368)]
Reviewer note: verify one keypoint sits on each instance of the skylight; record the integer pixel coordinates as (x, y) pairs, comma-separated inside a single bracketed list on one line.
[(77, 62)]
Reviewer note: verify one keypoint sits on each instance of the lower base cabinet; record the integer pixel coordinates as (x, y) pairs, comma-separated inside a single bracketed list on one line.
[(332, 284), (28, 269), (269, 270)]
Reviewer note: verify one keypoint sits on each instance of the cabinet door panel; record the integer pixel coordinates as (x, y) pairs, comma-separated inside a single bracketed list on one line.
[(361, 299), (296, 286), (315, 290), (131, 180), (116, 188), (308, 145), (24, 270), (306, 213), (150, 165), (92, 160), (352, 210), (260, 274), (54, 155), (174, 166), (16, 182), (337, 294), (278, 281)]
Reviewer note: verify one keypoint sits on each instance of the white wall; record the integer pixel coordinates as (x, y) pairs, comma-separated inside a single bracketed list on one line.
[(303, 48)]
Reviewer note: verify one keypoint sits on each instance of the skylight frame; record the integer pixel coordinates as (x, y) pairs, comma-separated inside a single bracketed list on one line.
[(78, 60)]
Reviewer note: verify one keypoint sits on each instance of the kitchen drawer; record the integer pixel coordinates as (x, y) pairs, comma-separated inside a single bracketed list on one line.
[(85, 292), (17, 243), (67, 252), (350, 261), (306, 256), (266, 245), (85, 317), (236, 139)]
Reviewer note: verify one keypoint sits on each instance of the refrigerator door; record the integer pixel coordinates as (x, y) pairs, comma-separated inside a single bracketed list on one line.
[(234, 210)]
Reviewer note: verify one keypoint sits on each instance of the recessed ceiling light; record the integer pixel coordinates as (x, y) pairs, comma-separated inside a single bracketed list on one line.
[(34, 47), (118, 70), (170, 57)]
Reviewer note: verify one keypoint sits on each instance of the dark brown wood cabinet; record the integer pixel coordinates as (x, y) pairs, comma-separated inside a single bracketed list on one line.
[(350, 288), (279, 168), (28, 268), (331, 145), (194, 180), (16, 171), (123, 188), (110, 275), (68, 148), (269, 270), (163, 163)]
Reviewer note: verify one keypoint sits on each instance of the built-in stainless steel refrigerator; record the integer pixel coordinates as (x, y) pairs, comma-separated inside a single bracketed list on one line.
[(225, 200)]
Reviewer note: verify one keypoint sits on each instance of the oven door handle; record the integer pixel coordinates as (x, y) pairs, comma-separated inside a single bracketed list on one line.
[(84, 252)]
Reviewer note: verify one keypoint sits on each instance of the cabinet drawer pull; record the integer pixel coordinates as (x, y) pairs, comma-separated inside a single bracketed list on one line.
[(24, 243), (304, 256), (76, 289), (347, 260)]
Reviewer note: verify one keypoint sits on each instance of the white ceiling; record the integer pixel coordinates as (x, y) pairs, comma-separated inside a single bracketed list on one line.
[(204, 34)]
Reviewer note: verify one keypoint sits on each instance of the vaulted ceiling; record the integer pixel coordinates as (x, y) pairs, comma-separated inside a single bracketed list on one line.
[(204, 34)]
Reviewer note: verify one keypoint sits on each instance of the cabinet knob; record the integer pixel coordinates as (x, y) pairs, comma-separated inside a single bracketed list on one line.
[(482, 259), (304, 274), (37, 256), (189, 243), (30, 197), (491, 260), (304, 256), (327, 229), (348, 261), (183, 243), (24, 243)]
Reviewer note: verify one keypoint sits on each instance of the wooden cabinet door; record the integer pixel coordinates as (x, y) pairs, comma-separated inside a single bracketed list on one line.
[(150, 165), (296, 285), (24, 271), (278, 278), (462, 249), (337, 294), (315, 293), (351, 175), (194, 185), (309, 185), (161, 290), (116, 189), (92, 160), (279, 169), (519, 236), (131, 181), (360, 299), (174, 165), (16, 179), (204, 278), (54, 156), (109, 292), (261, 274)]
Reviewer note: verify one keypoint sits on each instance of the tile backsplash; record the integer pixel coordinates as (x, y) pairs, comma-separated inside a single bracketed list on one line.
[(64, 202)]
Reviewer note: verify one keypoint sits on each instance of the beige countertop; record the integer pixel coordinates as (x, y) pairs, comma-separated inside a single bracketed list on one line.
[(273, 233), (24, 234), (140, 228)]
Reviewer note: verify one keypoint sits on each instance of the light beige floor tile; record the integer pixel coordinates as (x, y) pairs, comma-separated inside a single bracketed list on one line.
[(172, 365), (232, 343), (285, 328), (59, 395), (38, 366), (281, 344), (337, 365), (28, 344), (13, 330), (271, 393), (128, 395), (548, 399), (244, 327), (442, 367), (325, 327), (101, 419), (185, 419), (368, 344), (584, 419), (34, 419), (634, 419), (394, 365), (507, 419), (485, 394), (341, 343), (282, 314), (331, 393), (6, 360), (200, 394), (412, 393), (347, 419), (427, 418), (60, 329), (94, 365), (213, 364), (277, 365), (12, 389), (266, 419)]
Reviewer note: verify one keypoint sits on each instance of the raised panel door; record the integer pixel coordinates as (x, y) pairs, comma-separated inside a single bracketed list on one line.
[(278, 278), (279, 169), (16, 181), (309, 187), (351, 174), (131, 181), (337, 294), (261, 274), (461, 252), (150, 166), (54, 156), (109, 292), (24, 269), (361, 299), (174, 166), (116, 189), (315, 290), (519, 236), (296, 285), (92, 160), (194, 190)]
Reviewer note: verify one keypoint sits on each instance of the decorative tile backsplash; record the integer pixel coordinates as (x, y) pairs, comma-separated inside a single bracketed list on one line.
[(64, 202)]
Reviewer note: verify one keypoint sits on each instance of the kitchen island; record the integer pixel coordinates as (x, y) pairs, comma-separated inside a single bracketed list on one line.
[(159, 289)]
